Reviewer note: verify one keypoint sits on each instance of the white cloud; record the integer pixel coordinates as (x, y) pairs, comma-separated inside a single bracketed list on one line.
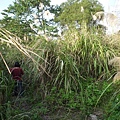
[(57, 2), (105, 4)]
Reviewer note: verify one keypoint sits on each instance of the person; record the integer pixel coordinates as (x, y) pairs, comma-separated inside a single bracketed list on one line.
[(17, 73)]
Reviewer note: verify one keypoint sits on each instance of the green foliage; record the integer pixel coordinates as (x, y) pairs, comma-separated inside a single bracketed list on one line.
[(77, 11), (87, 102), (19, 28), (70, 74), (30, 16), (112, 108)]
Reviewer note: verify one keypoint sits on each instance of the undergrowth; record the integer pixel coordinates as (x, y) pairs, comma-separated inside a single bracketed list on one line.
[(62, 78)]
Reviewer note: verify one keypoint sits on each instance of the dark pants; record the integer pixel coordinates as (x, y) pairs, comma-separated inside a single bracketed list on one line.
[(18, 88)]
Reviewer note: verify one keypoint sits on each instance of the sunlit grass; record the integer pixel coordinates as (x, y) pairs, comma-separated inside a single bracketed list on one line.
[(77, 64)]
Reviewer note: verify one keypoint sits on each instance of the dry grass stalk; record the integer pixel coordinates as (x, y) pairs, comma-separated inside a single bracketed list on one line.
[(115, 62), (116, 77), (14, 40)]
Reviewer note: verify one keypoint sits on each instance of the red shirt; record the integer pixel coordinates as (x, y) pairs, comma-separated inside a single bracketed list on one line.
[(16, 73)]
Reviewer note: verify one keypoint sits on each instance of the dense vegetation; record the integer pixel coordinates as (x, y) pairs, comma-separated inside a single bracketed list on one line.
[(67, 78), (70, 75)]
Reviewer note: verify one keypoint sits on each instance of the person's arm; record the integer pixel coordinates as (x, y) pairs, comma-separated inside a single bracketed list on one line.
[(22, 72)]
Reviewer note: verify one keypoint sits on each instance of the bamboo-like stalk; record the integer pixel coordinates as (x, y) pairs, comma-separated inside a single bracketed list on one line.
[(5, 62), (10, 38)]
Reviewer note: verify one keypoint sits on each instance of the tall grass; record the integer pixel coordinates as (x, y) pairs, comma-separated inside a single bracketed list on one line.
[(76, 64), (65, 63), (73, 60)]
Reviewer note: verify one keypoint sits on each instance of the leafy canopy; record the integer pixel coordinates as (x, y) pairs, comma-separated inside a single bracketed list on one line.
[(31, 13), (77, 11)]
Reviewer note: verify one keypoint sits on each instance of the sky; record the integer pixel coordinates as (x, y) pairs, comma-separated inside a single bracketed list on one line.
[(109, 5), (5, 3), (106, 3)]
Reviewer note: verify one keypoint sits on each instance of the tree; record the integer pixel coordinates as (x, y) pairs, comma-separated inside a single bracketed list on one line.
[(19, 28), (34, 14), (75, 12)]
